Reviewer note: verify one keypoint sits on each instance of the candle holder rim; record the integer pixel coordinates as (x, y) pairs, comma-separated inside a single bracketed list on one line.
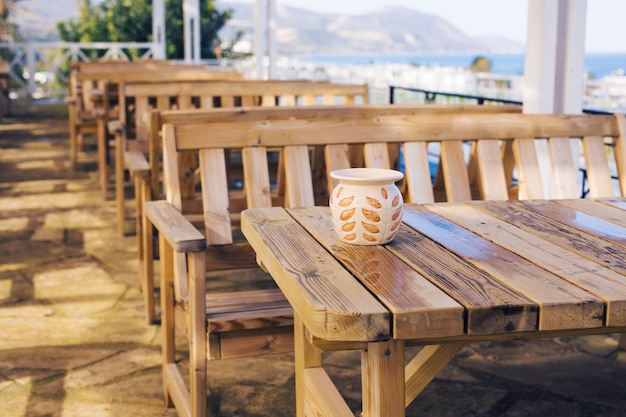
[(356, 174)]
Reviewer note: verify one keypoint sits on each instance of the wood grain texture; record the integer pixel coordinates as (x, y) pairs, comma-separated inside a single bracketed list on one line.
[(591, 247), (560, 306), (419, 308), (608, 285), (317, 286)]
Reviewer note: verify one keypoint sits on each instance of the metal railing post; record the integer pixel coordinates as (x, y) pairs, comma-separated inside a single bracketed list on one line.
[(30, 64)]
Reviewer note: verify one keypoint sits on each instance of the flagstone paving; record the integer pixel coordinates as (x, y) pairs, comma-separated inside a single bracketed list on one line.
[(73, 339)]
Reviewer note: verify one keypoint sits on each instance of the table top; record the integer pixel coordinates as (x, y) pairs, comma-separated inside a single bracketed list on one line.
[(456, 271)]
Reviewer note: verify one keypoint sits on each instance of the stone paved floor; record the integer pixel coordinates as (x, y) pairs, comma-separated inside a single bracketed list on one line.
[(73, 341)]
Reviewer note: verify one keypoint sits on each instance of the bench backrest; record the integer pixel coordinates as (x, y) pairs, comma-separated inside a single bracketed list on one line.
[(295, 131), (209, 95), (105, 78)]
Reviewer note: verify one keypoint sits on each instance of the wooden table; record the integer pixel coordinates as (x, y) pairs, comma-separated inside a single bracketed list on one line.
[(456, 273)]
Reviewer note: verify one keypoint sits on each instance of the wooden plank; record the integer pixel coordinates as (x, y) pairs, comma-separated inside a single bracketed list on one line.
[(400, 129), (180, 234), (419, 310), (332, 304), (528, 171), (256, 177), (454, 171), (215, 197), (604, 283), (417, 172), (560, 307), (492, 181), (335, 157), (564, 169), (582, 221), (478, 292), (619, 150), (589, 246), (602, 211), (598, 173), (298, 177), (614, 202), (266, 341), (376, 155)]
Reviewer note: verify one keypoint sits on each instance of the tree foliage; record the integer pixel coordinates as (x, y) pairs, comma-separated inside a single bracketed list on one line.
[(481, 64), (131, 21)]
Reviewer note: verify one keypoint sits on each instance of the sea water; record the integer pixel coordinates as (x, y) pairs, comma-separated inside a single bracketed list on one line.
[(596, 65)]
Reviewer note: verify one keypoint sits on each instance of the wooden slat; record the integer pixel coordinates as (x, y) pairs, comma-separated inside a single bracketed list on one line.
[(614, 203), (238, 344), (604, 283), (417, 173), (325, 282), (335, 157), (468, 127), (619, 150), (492, 181), (522, 216), (455, 171), (602, 211), (564, 169), (560, 306), (376, 155), (298, 177), (529, 173), (256, 177), (598, 173), (419, 309), (580, 220), (215, 197), (476, 290)]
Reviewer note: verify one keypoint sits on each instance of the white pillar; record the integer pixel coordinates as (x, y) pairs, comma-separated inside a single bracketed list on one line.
[(191, 18), (554, 66), (271, 37), (158, 28), (265, 37), (260, 29)]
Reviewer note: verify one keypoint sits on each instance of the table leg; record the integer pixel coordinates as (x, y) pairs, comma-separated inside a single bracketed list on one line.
[(382, 373), (306, 356)]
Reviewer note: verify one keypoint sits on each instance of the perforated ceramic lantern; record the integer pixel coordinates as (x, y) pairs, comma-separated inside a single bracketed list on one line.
[(366, 206)]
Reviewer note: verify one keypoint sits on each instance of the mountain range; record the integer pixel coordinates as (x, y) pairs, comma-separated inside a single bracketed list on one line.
[(391, 29)]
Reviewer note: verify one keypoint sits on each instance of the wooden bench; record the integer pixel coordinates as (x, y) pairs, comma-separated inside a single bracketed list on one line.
[(85, 95), (258, 322), (92, 91), (134, 142), (148, 186)]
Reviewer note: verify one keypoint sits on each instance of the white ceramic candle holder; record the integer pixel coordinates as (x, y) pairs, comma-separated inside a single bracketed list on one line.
[(366, 206)]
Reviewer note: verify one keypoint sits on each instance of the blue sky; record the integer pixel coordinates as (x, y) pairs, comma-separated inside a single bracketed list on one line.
[(606, 19)]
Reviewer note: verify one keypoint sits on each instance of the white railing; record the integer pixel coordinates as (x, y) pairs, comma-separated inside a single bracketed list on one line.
[(46, 59)]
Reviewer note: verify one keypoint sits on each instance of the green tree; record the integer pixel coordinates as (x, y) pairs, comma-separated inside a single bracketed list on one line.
[(131, 21), (481, 64), (8, 31)]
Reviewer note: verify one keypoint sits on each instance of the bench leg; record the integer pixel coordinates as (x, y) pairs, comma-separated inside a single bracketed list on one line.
[(145, 253)]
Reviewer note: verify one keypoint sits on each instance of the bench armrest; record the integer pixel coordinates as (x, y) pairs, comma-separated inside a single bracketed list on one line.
[(137, 164), (179, 233), (115, 126)]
